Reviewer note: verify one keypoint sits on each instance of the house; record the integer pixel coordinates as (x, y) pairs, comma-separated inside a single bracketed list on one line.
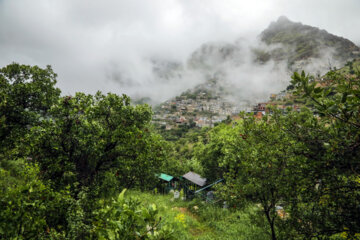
[(261, 107), (181, 120)]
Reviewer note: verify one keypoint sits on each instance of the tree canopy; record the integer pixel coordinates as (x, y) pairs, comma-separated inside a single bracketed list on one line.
[(67, 152), (305, 163)]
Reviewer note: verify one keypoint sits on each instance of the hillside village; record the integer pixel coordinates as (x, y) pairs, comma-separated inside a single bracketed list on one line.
[(203, 111), (200, 111), (209, 103), (205, 108)]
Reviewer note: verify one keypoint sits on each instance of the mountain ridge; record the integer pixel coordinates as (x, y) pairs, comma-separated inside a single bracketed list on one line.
[(238, 74), (303, 41)]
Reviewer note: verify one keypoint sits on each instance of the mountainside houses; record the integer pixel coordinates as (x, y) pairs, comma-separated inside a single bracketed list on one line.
[(205, 112), (201, 111)]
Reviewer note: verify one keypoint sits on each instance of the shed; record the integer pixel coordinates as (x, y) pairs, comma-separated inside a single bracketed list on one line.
[(166, 183), (194, 181), (165, 177), (195, 178)]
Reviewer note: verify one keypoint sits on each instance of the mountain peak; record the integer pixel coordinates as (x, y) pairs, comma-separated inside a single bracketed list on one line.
[(300, 42), (283, 24), (283, 19)]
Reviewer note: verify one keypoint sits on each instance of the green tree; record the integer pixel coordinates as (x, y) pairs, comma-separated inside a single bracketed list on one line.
[(329, 202), (100, 141), (211, 154), (261, 169), (29, 208), (26, 95), (307, 161), (59, 155)]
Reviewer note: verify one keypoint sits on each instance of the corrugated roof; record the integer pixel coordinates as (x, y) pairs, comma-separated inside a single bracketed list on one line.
[(195, 178), (165, 177)]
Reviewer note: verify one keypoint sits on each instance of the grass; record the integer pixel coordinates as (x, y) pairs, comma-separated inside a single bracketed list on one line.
[(199, 220)]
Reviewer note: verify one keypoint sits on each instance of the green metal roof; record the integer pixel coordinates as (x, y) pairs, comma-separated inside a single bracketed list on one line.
[(165, 177)]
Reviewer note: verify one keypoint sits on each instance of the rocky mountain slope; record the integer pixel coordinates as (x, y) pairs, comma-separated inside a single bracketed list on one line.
[(297, 44)]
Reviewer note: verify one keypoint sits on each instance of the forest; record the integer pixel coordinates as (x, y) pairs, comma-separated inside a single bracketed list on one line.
[(84, 166)]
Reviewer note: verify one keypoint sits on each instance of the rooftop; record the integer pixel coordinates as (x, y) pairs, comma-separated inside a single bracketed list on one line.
[(165, 177), (195, 178)]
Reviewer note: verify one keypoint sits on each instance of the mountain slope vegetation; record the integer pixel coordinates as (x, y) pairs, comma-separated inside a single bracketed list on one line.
[(300, 42)]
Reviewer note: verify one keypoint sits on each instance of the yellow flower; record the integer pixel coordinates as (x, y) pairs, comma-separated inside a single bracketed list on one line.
[(180, 218)]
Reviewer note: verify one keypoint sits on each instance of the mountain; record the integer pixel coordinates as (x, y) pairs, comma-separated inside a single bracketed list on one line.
[(295, 43), (241, 73)]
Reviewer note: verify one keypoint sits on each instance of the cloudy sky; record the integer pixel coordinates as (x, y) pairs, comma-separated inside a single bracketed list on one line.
[(86, 41)]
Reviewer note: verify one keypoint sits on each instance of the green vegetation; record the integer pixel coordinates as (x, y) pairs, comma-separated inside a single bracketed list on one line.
[(178, 132), (298, 161), (351, 67), (66, 162), (198, 93), (61, 155), (199, 220)]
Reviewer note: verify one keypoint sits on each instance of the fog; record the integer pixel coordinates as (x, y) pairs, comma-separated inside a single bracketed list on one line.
[(143, 48)]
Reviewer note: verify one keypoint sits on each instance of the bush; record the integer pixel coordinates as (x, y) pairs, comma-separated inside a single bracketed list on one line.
[(29, 208), (127, 219)]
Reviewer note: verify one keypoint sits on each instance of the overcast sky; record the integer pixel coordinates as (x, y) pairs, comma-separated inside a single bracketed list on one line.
[(85, 40)]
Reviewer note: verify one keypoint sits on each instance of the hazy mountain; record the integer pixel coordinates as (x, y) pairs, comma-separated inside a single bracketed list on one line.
[(297, 44), (247, 71)]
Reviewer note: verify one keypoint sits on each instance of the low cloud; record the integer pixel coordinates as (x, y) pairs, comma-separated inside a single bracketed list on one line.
[(120, 46)]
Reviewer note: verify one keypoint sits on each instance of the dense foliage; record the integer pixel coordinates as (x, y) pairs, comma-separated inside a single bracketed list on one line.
[(65, 159), (91, 139), (302, 168), (60, 155)]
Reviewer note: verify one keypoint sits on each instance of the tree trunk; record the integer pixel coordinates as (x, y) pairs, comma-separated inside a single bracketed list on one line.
[(271, 223)]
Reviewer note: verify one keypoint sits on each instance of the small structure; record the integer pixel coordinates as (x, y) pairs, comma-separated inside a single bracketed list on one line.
[(193, 181), (261, 107), (195, 178), (166, 183)]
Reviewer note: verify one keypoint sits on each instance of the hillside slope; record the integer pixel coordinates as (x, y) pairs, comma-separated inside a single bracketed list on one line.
[(294, 42), (233, 76)]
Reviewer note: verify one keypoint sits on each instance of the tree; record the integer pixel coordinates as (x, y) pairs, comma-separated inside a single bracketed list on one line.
[(308, 162), (332, 151), (30, 209), (100, 141), (59, 155), (26, 95), (211, 154), (260, 168)]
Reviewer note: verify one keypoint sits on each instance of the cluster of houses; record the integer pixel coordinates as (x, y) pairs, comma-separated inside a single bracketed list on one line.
[(206, 112), (261, 109), (201, 112)]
